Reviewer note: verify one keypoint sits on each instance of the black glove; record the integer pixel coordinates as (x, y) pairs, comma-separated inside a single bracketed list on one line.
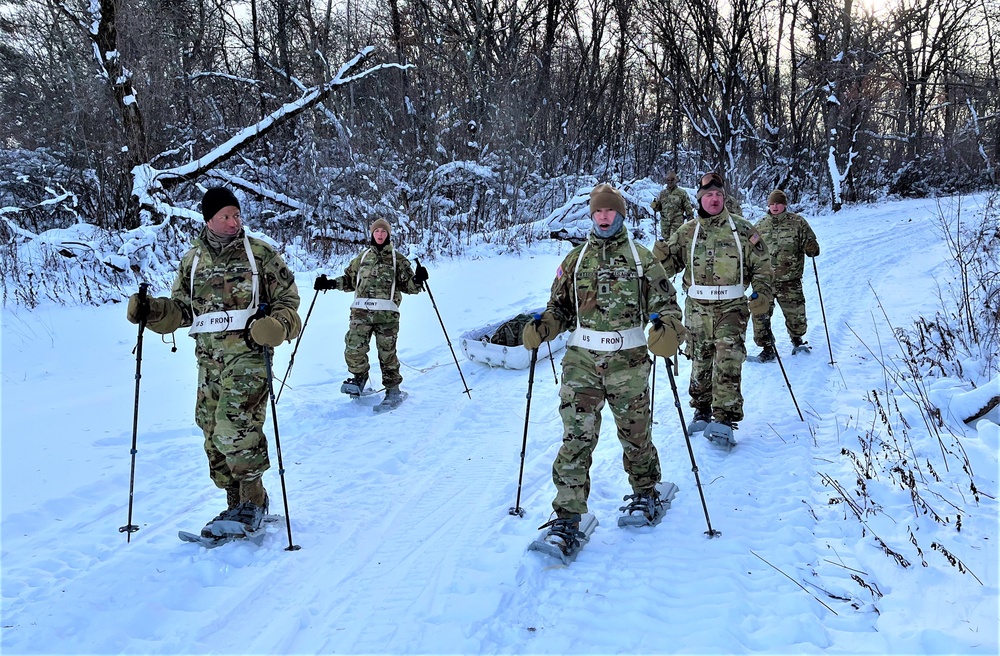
[(323, 283), (420, 275)]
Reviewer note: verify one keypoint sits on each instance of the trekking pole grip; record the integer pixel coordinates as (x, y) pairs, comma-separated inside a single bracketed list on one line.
[(262, 311)]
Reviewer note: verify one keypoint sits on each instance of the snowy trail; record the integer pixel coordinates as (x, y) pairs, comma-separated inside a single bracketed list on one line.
[(407, 543)]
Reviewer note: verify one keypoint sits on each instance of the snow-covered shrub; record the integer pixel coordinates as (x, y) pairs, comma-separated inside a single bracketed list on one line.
[(918, 482), (966, 330)]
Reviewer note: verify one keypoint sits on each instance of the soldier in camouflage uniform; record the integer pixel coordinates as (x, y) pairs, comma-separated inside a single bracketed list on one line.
[(222, 280), (378, 276), (673, 205), (789, 239), (734, 206), (605, 291), (720, 255)]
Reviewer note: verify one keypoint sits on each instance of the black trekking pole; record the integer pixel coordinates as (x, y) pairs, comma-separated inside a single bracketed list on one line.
[(129, 527), (823, 310), (787, 383), (555, 376), (517, 509), (443, 329), (262, 312), (711, 532), (291, 360)]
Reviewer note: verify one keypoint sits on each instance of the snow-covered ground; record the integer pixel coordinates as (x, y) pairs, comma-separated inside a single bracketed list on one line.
[(407, 545)]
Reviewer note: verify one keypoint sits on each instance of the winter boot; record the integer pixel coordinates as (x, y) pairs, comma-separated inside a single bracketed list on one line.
[(392, 394), (701, 419), (233, 496), (247, 517), (767, 354), (232, 500), (252, 491), (642, 509), (355, 385), (564, 533), (244, 520), (800, 345)]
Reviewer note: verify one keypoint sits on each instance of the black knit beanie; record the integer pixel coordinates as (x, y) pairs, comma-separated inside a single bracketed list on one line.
[(215, 199)]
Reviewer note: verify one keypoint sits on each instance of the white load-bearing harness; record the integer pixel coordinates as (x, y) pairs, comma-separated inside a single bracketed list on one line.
[(614, 340), (221, 320), (362, 303), (716, 292)]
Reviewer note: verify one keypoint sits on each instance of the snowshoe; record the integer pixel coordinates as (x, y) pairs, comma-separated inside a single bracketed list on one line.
[(225, 515), (393, 398), (355, 385), (565, 537), (799, 345), (700, 421), (649, 508), (213, 541), (242, 520), (767, 354), (232, 502), (721, 433)]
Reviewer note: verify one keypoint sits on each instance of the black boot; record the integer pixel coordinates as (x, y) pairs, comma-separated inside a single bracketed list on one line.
[(768, 354), (701, 419), (355, 385)]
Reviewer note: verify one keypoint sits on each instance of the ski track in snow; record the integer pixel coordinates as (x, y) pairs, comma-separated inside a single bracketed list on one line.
[(407, 543)]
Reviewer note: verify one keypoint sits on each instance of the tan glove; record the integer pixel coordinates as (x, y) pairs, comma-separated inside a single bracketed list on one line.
[(137, 311), (760, 303), (268, 331), (660, 251), (665, 336), (536, 332), (156, 309), (812, 249)]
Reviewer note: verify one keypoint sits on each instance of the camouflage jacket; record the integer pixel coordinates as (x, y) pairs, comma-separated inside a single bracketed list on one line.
[(716, 255), (369, 275), (606, 288), (789, 239), (223, 281), (674, 208)]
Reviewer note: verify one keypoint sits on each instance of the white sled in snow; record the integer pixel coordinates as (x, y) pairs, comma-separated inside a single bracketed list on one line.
[(499, 344)]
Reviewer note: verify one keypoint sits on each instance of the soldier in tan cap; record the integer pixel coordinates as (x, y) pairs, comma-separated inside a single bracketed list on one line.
[(789, 240), (378, 276), (605, 291)]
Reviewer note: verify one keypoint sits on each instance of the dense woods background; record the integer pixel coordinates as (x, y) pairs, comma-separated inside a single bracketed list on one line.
[(471, 116)]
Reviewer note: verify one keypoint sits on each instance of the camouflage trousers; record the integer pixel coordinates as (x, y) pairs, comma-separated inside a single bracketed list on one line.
[(716, 347), (385, 326), (231, 407), (793, 306), (589, 379), (668, 225)]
